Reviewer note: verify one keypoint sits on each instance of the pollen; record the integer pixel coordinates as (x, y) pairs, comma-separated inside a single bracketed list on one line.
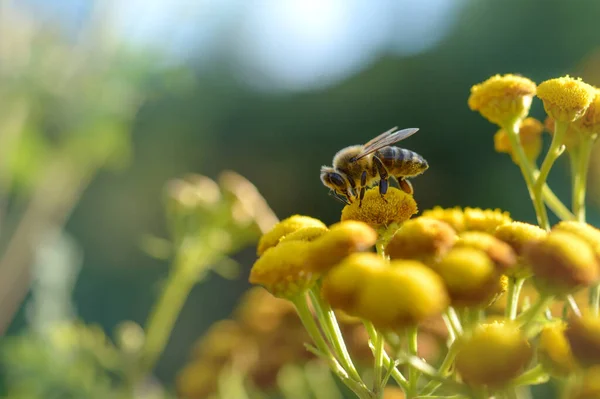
[(530, 135), (562, 263), (341, 240), (377, 211), (285, 227), (282, 269), (502, 99), (493, 354), (566, 99), (423, 238)]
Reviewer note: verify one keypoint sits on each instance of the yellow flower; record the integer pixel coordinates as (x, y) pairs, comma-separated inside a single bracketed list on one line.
[(282, 269), (502, 99), (588, 233), (305, 234), (423, 238), (401, 295), (589, 385), (498, 251), (565, 99), (589, 123), (376, 211), (562, 263), (470, 277), (285, 227), (341, 240), (197, 380), (453, 216), (224, 341), (485, 219), (583, 334), (260, 313), (554, 351), (530, 135), (493, 354), (343, 283), (519, 234)]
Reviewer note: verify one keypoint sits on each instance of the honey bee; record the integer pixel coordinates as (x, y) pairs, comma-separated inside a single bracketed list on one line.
[(357, 167)]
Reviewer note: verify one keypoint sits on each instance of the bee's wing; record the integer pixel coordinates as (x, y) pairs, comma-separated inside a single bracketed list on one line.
[(385, 139)]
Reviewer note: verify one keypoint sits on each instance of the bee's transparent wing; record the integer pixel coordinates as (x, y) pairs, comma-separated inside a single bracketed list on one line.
[(385, 139)]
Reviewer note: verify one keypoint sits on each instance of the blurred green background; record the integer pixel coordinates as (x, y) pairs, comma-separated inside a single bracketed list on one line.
[(270, 89)]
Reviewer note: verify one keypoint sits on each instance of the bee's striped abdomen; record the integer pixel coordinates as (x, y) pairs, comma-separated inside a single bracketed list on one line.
[(401, 162)]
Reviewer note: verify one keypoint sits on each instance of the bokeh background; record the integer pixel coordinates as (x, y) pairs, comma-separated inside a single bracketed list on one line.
[(101, 103)]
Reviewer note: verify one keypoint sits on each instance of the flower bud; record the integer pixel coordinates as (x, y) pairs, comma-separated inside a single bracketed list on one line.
[(492, 354), (423, 238)]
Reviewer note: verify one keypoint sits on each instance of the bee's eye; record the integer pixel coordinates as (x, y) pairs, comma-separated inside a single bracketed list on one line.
[(337, 179)]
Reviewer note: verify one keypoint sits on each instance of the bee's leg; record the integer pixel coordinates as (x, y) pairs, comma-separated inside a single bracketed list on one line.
[(363, 184), (383, 177), (405, 185), (340, 197)]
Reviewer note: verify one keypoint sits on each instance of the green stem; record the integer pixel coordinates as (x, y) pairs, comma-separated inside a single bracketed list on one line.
[(378, 366), (514, 291), (330, 325), (444, 368), (426, 369), (534, 376), (534, 312), (164, 315), (413, 373), (573, 304), (303, 310), (554, 203), (580, 171), (387, 361), (556, 148), (595, 299), (454, 321), (512, 132)]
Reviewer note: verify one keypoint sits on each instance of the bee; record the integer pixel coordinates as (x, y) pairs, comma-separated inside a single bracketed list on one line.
[(357, 167)]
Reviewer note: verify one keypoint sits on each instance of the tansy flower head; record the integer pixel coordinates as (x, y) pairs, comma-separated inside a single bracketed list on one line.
[(341, 240), (282, 269), (285, 227), (498, 251), (518, 234), (502, 99), (554, 351), (470, 277), (343, 283), (565, 99), (583, 334), (562, 263), (530, 135), (588, 233), (493, 354), (260, 313), (589, 123), (305, 234), (401, 295), (453, 216), (485, 219), (376, 211), (423, 238)]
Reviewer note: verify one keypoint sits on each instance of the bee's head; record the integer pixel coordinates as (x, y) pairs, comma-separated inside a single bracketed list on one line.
[(337, 182)]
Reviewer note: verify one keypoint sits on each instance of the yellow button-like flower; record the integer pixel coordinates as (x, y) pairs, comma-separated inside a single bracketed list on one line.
[(502, 99), (589, 123), (285, 227), (485, 219), (519, 234), (499, 252), (470, 277), (565, 99), (197, 380), (343, 283), (422, 238), (401, 295), (583, 334), (453, 216), (554, 351), (493, 354), (562, 263), (396, 207), (588, 233), (305, 234), (283, 271), (341, 240), (530, 135)]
